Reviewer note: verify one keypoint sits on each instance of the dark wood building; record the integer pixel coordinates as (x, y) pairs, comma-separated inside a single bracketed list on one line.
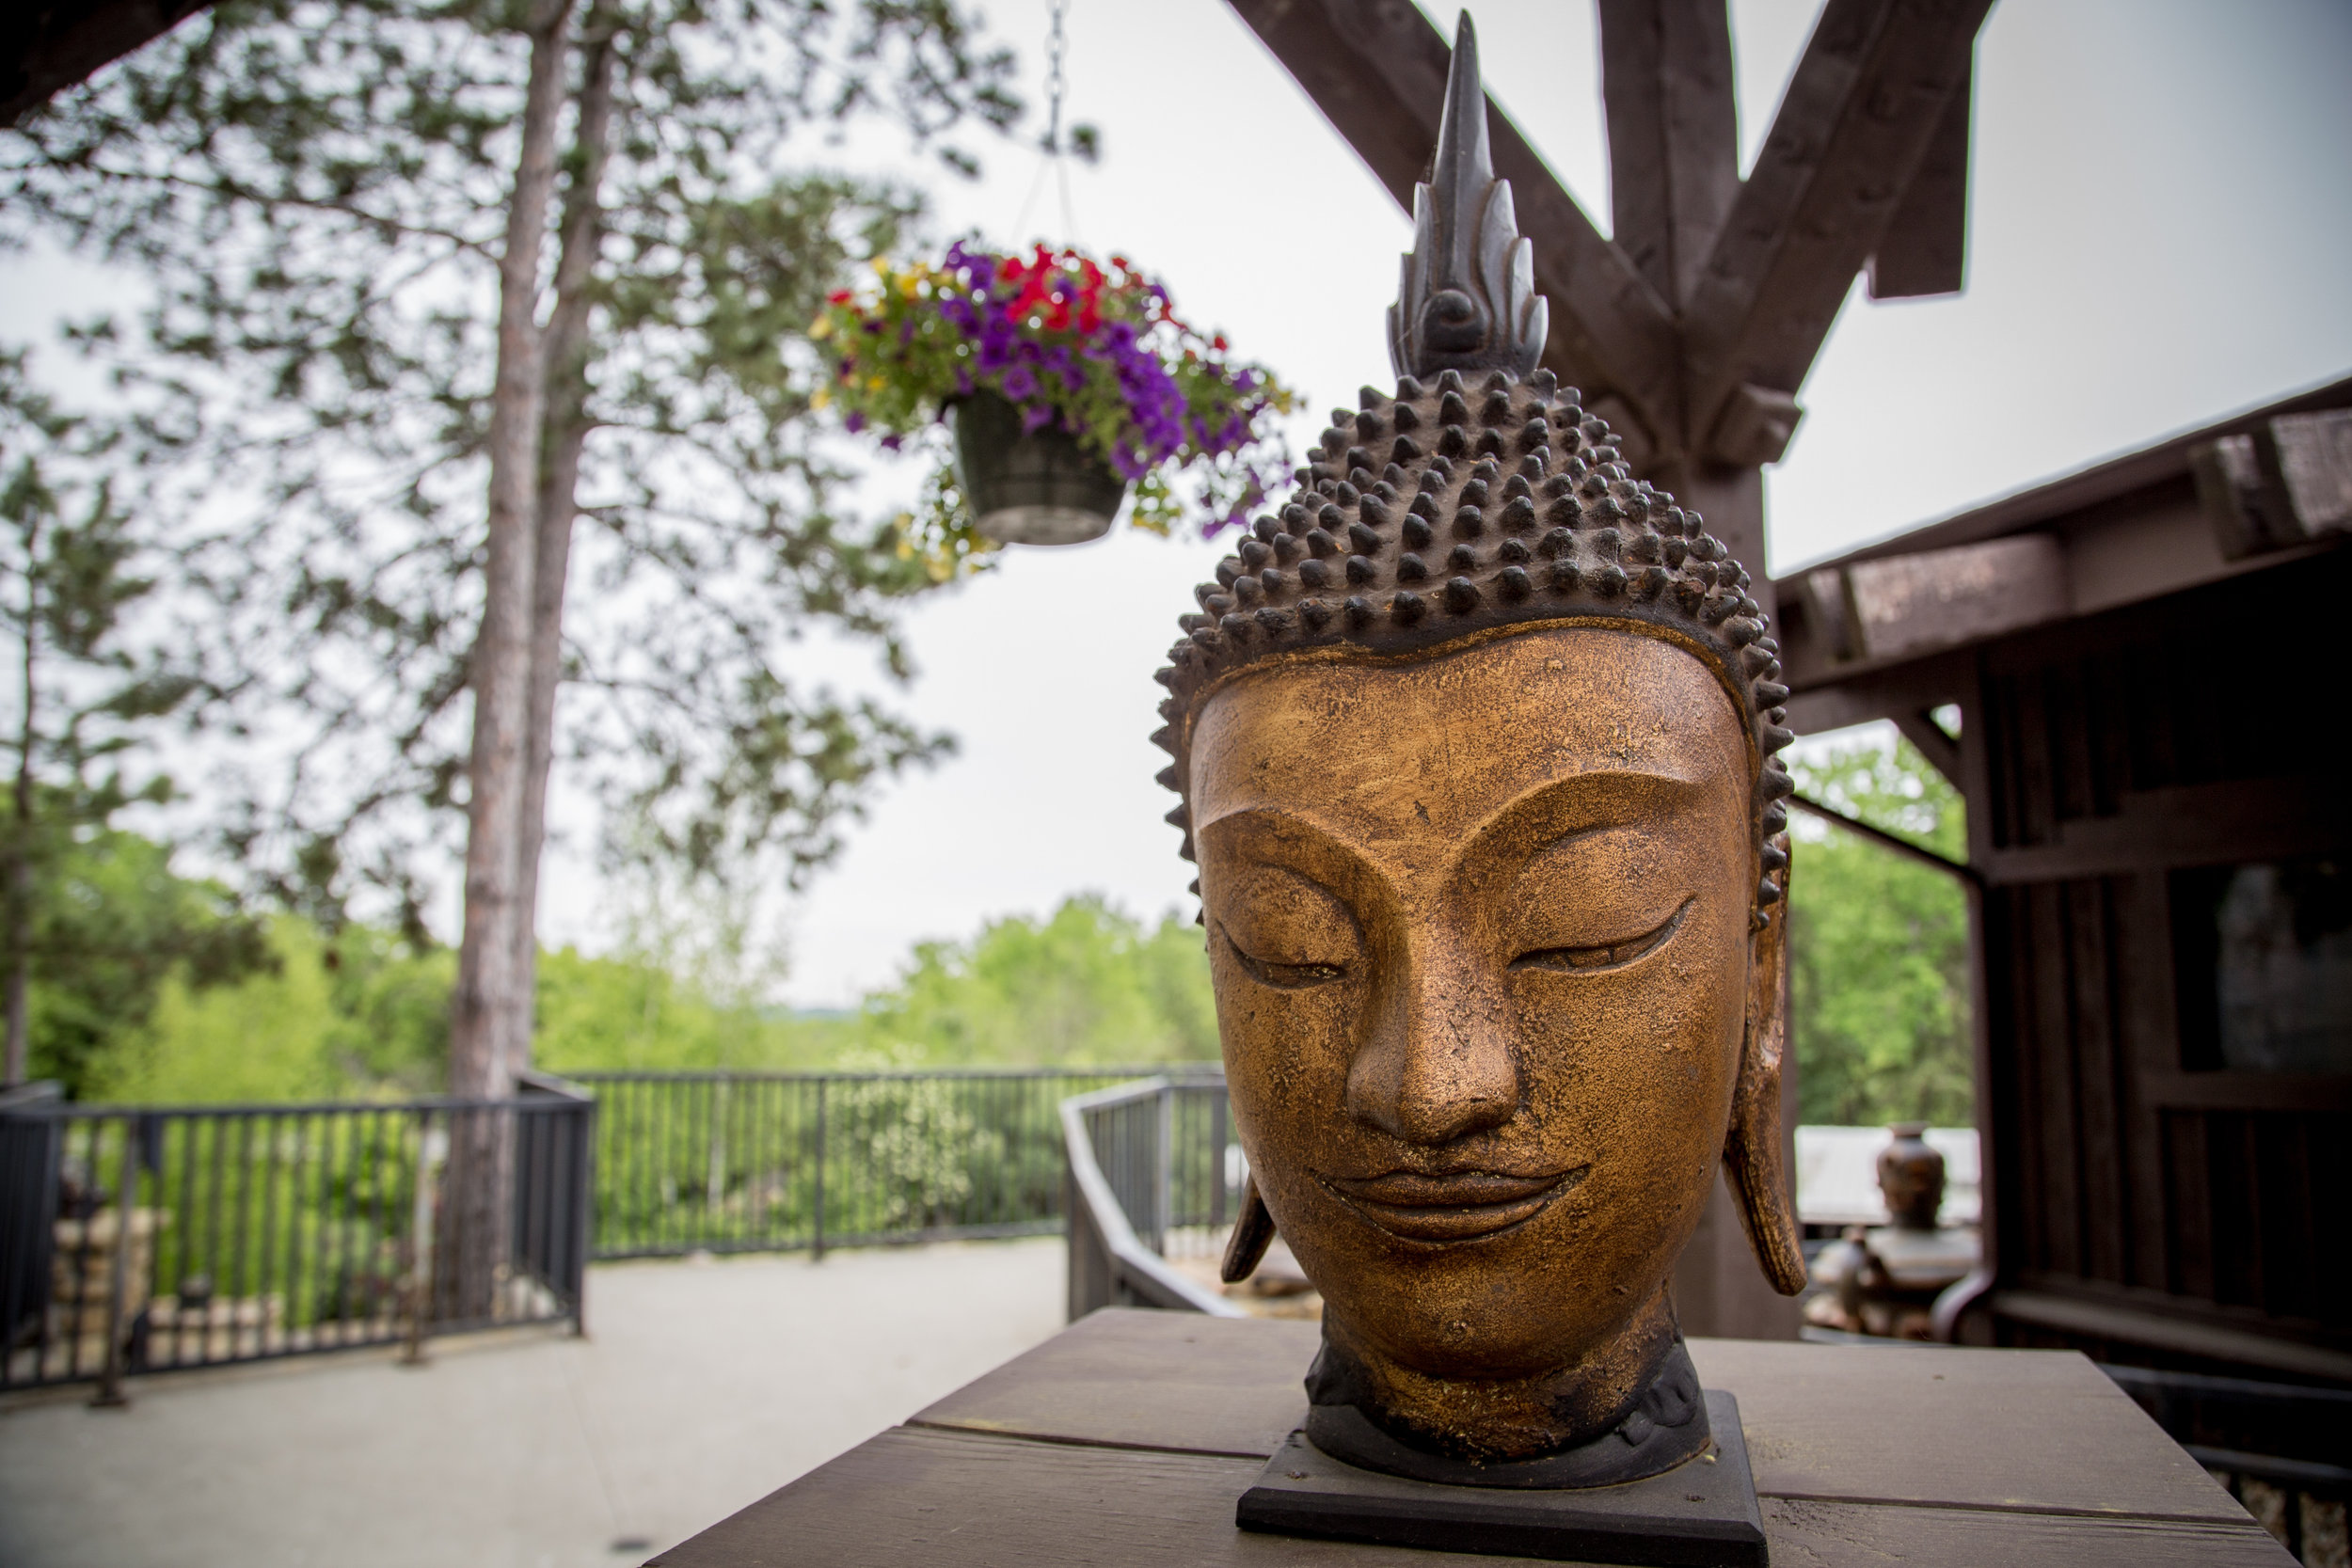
[(2136, 676)]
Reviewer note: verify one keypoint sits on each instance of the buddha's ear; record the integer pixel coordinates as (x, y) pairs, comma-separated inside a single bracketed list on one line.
[(1253, 1232), (1752, 1151)]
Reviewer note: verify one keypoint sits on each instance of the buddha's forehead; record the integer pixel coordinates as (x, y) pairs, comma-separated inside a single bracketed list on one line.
[(1454, 738)]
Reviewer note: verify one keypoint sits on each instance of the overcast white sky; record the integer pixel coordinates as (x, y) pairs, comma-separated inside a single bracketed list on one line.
[(2161, 231)]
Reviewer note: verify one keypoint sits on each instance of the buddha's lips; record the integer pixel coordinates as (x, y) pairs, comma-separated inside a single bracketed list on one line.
[(1458, 1206)]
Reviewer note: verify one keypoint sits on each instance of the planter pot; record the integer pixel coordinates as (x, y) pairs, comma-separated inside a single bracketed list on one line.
[(1910, 1175), (1030, 487)]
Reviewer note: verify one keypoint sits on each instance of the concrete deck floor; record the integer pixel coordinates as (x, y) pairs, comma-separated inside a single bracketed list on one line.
[(703, 1385)]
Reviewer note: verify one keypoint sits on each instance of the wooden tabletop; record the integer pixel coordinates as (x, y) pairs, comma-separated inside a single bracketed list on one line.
[(1126, 1438)]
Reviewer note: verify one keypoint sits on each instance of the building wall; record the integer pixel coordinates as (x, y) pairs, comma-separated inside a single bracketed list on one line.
[(2152, 1200)]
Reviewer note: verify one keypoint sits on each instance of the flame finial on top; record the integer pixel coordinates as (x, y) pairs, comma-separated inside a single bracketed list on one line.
[(1469, 300)]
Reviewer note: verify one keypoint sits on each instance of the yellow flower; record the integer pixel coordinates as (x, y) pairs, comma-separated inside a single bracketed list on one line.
[(821, 329), (821, 398)]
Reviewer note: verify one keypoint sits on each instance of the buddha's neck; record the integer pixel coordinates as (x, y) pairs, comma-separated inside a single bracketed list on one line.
[(1505, 1418)]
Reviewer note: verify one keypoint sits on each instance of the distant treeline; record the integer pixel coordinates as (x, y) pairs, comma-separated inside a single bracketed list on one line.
[(160, 989), (199, 1002)]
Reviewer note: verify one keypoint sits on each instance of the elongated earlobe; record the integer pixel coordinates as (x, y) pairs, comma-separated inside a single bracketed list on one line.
[(1253, 1232), (1752, 1152)]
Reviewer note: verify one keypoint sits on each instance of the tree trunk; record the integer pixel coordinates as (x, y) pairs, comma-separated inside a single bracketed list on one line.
[(564, 438), (19, 861), (482, 1009), (479, 1182)]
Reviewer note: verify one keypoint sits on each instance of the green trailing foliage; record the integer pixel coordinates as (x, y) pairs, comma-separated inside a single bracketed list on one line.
[(1879, 947)]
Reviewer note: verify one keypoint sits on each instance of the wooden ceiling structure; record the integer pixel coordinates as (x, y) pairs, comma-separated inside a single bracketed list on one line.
[(1692, 330), (2161, 1179), (46, 47)]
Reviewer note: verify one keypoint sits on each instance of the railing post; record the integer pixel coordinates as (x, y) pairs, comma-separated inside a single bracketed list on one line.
[(816, 1248), (715, 1182), (429, 1148), (118, 1281), (1164, 1158), (1216, 1159), (583, 1219)]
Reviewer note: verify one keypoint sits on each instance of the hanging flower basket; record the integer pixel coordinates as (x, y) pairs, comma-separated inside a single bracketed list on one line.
[(1029, 487), (1069, 386)]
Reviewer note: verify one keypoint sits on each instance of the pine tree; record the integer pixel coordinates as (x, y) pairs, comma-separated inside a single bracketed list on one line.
[(85, 697), (434, 286)]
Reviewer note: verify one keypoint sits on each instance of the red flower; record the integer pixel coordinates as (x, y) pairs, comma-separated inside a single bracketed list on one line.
[(839, 297), (1217, 342)]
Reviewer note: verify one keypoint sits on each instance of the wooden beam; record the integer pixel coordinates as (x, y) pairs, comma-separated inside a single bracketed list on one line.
[(1926, 248), (1378, 72), (45, 49), (1885, 840), (1853, 126), (1901, 605), (1674, 134), (1927, 738)]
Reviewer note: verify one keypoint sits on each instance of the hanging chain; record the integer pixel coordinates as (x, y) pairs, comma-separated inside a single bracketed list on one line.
[(1053, 80)]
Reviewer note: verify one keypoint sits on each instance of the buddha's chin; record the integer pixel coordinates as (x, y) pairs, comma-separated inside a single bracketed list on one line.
[(1544, 1390), (1479, 1321)]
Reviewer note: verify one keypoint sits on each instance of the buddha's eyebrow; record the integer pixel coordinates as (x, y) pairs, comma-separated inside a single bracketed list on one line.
[(1348, 857), (1567, 808)]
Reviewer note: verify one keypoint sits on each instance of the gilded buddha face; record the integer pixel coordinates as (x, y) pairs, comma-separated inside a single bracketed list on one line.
[(1481, 928)]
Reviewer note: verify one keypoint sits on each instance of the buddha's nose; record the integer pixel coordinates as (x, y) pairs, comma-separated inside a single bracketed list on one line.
[(1438, 1063)]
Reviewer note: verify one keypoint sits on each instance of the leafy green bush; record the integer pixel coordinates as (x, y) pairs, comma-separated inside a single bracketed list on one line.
[(1089, 984), (110, 923)]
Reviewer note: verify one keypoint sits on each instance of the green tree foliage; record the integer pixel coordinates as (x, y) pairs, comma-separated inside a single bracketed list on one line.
[(1089, 984), (114, 934), (1879, 947), (296, 1012), (88, 918), (362, 1014), (318, 195)]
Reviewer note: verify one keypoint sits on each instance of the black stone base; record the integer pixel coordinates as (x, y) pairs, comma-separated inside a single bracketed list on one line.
[(1700, 1515)]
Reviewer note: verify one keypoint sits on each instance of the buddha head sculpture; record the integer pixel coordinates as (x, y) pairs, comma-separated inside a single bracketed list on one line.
[(1476, 741)]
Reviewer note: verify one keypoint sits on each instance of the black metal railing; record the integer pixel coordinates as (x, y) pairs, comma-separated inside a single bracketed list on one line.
[(1154, 1177), (2283, 1449), (136, 1240), (773, 1161)]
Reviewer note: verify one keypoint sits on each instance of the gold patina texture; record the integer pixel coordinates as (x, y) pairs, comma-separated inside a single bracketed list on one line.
[(1495, 1001)]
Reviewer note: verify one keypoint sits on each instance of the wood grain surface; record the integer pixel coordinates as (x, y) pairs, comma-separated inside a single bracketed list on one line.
[(1127, 1438), (936, 1498), (1125, 1378)]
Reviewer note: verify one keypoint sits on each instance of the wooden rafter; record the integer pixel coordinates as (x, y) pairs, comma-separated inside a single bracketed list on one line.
[(1852, 128), (1378, 72), (1713, 285), (1674, 134), (48, 45)]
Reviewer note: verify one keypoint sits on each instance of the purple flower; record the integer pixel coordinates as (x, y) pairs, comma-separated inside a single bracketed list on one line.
[(1018, 384), (892, 443), (1036, 416), (855, 422)]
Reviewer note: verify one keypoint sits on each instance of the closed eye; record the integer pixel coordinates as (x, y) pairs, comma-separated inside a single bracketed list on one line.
[(1601, 958), (1281, 977)]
